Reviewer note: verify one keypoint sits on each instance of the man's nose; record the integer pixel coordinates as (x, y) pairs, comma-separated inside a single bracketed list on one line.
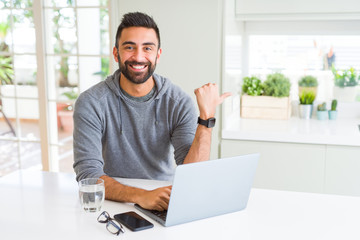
[(138, 55)]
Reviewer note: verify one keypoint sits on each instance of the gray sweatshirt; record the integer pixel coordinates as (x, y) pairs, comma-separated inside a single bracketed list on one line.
[(120, 137)]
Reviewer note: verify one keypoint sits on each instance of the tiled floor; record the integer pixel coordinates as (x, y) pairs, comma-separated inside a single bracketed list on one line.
[(30, 152)]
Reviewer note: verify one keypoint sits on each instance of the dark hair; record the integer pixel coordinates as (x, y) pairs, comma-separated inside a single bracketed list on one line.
[(136, 19)]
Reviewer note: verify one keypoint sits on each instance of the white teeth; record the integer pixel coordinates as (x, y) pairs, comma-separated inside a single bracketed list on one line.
[(139, 67)]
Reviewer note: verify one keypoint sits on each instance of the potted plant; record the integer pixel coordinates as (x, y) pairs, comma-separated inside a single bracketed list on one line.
[(308, 83), (252, 86), (321, 113), (267, 100), (65, 112), (345, 82), (333, 111), (306, 104), (277, 85)]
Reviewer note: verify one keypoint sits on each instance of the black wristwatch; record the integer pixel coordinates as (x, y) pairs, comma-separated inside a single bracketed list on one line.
[(207, 123)]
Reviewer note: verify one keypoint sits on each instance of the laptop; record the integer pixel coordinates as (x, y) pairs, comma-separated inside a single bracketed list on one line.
[(206, 189)]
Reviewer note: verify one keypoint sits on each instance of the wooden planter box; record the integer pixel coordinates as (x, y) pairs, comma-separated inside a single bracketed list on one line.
[(265, 107)]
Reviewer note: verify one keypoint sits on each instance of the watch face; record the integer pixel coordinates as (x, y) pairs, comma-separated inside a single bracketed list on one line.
[(211, 122), (207, 123)]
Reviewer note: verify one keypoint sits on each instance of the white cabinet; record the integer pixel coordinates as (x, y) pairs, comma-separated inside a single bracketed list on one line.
[(284, 166), (302, 167), (342, 170)]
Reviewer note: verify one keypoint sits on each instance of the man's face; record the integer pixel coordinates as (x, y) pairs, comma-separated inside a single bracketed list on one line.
[(138, 53)]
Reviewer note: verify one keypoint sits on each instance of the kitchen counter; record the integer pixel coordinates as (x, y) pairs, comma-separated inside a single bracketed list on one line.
[(344, 132)]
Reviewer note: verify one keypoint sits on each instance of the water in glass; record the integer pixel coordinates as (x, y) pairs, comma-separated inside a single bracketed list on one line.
[(92, 194)]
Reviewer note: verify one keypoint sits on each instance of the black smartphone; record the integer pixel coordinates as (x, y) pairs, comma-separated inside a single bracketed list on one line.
[(133, 221)]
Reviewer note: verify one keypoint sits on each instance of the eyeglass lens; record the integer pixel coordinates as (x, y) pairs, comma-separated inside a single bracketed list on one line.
[(104, 217), (112, 226)]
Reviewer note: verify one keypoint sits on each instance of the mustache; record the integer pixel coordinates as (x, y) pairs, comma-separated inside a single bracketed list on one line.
[(137, 63)]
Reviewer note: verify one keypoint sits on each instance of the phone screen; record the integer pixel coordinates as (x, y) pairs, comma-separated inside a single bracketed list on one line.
[(133, 221)]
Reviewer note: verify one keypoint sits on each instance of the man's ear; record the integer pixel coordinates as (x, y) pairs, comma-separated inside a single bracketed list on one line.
[(116, 54), (158, 55)]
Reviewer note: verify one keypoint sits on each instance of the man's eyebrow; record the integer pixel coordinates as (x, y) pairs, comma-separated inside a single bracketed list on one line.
[(133, 43), (128, 42), (149, 43)]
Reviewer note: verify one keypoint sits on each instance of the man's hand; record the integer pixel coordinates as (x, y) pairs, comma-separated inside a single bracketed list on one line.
[(157, 199), (208, 99)]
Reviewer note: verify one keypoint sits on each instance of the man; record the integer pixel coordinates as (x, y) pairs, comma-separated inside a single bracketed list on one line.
[(125, 126)]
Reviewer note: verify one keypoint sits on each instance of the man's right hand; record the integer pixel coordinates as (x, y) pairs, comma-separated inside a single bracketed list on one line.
[(157, 199)]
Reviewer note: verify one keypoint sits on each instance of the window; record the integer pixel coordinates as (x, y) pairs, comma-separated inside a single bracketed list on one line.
[(299, 55), (19, 128), (75, 55), (293, 47)]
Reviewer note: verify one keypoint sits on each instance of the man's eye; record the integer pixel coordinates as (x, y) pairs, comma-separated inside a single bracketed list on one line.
[(148, 49), (129, 48)]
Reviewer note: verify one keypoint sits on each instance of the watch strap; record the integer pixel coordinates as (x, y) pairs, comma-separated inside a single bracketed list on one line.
[(209, 123)]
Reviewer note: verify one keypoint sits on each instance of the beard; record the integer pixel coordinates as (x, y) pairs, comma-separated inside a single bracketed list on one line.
[(137, 77)]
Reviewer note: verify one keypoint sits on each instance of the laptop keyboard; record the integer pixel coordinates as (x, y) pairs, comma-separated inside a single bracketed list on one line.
[(160, 214)]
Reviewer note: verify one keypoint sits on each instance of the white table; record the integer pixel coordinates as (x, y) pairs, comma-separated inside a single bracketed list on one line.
[(44, 205)]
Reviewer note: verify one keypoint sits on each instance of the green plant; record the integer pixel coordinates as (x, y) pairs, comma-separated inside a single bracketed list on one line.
[(333, 105), (4, 27), (307, 97), (71, 95), (353, 78), (345, 78), (308, 81), (6, 70), (276, 85), (322, 107), (252, 86)]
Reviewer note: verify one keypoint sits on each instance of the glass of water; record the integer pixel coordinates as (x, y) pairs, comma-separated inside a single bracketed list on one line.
[(92, 194)]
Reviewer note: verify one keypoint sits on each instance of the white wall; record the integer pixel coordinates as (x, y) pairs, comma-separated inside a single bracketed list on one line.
[(191, 35)]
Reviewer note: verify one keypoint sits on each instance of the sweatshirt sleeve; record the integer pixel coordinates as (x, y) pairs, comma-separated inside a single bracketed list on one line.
[(184, 130), (88, 128)]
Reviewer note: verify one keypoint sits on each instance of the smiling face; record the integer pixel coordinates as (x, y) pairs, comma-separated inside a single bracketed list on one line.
[(138, 53)]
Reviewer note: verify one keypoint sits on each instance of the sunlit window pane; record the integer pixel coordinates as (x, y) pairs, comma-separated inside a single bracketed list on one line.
[(232, 52), (89, 31), (304, 52), (5, 31), (104, 31), (90, 70), (24, 31), (5, 4), (92, 2), (59, 3), (28, 112), (61, 31), (296, 56), (62, 73), (22, 3), (25, 69)]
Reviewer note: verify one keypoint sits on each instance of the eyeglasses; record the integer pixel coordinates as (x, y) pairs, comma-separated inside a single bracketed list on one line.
[(111, 224)]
